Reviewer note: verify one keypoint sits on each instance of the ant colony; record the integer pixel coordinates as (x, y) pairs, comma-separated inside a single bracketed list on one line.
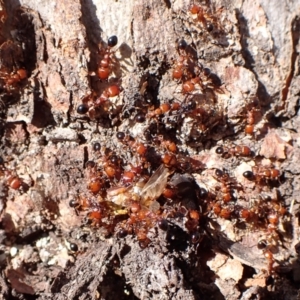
[(150, 179)]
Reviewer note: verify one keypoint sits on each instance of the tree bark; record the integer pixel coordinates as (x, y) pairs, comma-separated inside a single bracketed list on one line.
[(253, 52)]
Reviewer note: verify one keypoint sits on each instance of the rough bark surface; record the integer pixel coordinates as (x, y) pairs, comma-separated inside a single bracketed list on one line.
[(46, 143)]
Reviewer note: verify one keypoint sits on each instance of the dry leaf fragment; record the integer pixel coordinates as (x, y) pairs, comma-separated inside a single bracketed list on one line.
[(226, 268), (16, 278), (275, 146), (255, 282)]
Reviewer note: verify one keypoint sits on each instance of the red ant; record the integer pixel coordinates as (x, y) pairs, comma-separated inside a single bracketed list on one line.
[(208, 20), (161, 110), (109, 92), (13, 78), (234, 150), (251, 116), (261, 173), (185, 69), (13, 181), (91, 102), (189, 85), (131, 174), (167, 144), (226, 184), (104, 68), (220, 210), (11, 178), (181, 69), (249, 128), (95, 183)]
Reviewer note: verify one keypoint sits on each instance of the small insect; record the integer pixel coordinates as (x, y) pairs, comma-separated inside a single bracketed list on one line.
[(245, 214), (208, 20), (249, 128), (144, 193), (168, 145), (184, 67), (111, 91), (12, 79), (265, 174), (161, 110), (190, 85), (270, 258), (92, 101), (225, 213), (169, 160), (12, 180), (251, 115), (155, 186), (108, 59), (181, 65), (234, 150)]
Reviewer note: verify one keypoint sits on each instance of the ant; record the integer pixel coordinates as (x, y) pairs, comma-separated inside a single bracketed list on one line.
[(91, 101), (161, 110), (222, 211), (95, 183), (268, 254), (226, 185), (131, 175), (250, 119), (12, 179), (265, 174), (82, 203), (105, 65), (252, 109), (186, 69), (167, 144), (208, 19), (234, 150), (182, 66), (205, 79), (109, 92), (12, 79)]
